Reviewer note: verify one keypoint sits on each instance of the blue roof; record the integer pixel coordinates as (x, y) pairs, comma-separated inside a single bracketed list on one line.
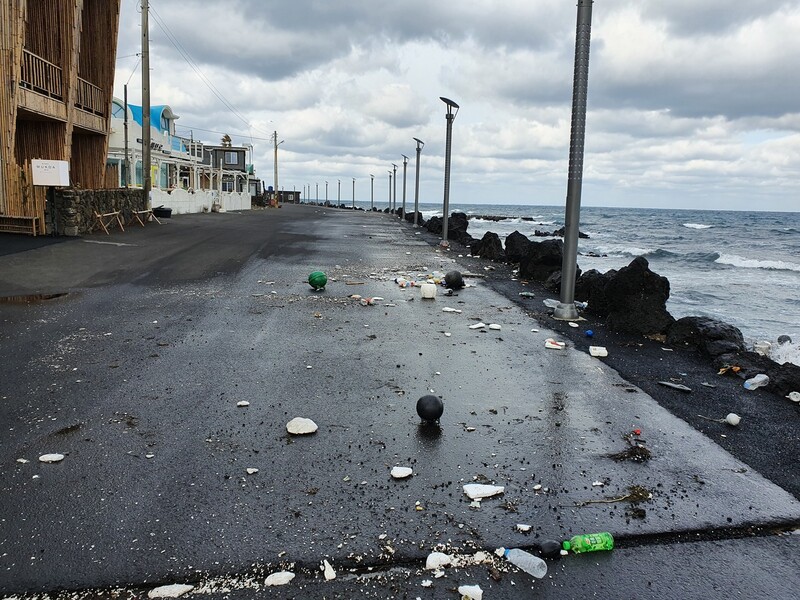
[(155, 115)]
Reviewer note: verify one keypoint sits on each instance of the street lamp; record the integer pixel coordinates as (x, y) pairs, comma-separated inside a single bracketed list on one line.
[(371, 191), (316, 196), (354, 193), (405, 170), (339, 193), (326, 193), (420, 144), (450, 116), (394, 196), (277, 143), (390, 191), (566, 307)]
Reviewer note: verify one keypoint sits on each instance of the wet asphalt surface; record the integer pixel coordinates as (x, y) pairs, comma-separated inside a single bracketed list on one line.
[(135, 375)]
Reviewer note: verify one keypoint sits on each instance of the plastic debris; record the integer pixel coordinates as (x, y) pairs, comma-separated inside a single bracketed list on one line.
[(756, 382), (794, 396), (553, 344), (532, 565), (279, 578), (731, 419), (480, 325), (51, 458), (598, 351), (426, 583), (437, 560), (243, 403), (573, 324), (675, 386), (401, 472), (447, 334), (428, 291), (252, 471), (522, 528), (527, 294), (495, 326), (328, 571), (448, 309), (550, 303), (175, 590), (478, 491), (470, 592), (22, 461), (301, 426), (589, 333)]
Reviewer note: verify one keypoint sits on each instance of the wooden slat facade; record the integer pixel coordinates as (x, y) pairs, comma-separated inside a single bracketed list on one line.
[(57, 61)]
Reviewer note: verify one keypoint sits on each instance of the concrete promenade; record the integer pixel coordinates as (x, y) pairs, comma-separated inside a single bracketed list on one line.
[(136, 373)]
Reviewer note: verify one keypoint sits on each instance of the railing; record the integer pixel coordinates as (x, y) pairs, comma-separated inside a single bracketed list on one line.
[(91, 98), (41, 76)]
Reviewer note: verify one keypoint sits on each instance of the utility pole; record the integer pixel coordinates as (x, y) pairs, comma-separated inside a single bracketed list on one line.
[(126, 165), (354, 193), (405, 168), (371, 191), (420, 144), (394, 196), (146, 157)]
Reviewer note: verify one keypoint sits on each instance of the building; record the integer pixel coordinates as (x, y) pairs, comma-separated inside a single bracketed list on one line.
[(57, 61)]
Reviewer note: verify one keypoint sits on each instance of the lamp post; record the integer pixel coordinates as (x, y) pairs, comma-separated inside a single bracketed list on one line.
[(326, 193), (371, 191), (566, 307), (277, 143), (394, 195), (390, 191), (354, 193), (405, 170), (450, 116), (339, 193), (420, 144)]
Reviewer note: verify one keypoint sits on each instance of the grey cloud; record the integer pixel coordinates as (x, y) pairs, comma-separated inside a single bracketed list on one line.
[(687, 18)]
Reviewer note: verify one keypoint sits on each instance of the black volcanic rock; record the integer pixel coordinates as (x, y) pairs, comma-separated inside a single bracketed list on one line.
[(637, 300), (711, 336), (516, 246), (489, 247), (541, 260)]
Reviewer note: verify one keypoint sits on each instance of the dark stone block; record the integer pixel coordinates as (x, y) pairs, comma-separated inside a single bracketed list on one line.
[(541, 260), (711, 336), (489, 247), (591, 287), (516, 246), (637, 300)]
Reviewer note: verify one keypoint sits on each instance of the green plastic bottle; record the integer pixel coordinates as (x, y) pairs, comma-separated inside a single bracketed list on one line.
[(589, 542)]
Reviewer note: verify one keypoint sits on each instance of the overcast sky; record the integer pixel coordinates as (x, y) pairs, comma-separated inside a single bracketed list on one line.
[(692, 103)]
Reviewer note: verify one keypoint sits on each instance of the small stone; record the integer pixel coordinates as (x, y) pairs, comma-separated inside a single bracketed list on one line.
[(301, 426), (495, 326), (328, 570), (174, 590), (401, 472), (252, 471), (279, 578)]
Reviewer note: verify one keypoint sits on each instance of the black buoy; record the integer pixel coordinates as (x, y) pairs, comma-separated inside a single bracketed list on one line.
[(453, 280), (430, 408)]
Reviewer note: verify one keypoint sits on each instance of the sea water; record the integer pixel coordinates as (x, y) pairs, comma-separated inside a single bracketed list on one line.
[(740, 267)]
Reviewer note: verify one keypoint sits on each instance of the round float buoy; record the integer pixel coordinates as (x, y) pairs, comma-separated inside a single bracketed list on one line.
[(430, 408), (317, 280)]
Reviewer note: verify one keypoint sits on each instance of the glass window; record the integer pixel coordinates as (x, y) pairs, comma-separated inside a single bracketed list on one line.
[(227, 186), (231, 158), (139, 173)]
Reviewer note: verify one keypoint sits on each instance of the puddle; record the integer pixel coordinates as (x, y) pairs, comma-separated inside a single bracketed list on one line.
[(30, 298)]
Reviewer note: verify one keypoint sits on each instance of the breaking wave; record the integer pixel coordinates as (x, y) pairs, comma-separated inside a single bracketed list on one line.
[(697, 226), (750, 263)]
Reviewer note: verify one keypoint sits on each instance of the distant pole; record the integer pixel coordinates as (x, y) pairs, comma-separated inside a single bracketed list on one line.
[(371, 191), (420, 144), (450, 116), (354, 193), (405, 169), (566, 308), (394, 196), (326, 193), (316, 196), (146, 157), (390, 191), (339, 193)]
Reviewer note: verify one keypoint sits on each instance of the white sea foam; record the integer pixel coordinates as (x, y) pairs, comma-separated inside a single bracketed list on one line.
[(783, 353), (622, 251), (697, 226), (751, 263)]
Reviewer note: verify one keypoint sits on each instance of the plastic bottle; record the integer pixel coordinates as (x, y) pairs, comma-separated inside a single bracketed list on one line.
[(532, 565), (589, 542), (756, 382)]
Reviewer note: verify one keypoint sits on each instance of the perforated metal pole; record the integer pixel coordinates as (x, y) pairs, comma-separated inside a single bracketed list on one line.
[(420, 144), (450, 116), (394, 195), (146, 158), (566, 308), (405, 169)]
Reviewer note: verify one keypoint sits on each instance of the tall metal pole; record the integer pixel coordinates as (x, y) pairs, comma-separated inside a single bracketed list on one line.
[(371, 191), (354, 193), (566, 308), (450, 116), (420, 144), (339, 193), (317, 194), (146, 158), (390, 191), (326, 193), (394, 196), (405, 169), (126, 165)]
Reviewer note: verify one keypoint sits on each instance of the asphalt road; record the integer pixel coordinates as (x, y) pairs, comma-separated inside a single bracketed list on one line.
[(135, 375)]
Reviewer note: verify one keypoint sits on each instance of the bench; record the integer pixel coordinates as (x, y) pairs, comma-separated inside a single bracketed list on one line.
[(143, 216), (104, 220), (15, 224)]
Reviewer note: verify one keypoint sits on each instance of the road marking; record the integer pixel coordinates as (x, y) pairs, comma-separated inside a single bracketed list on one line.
[(109, 243)]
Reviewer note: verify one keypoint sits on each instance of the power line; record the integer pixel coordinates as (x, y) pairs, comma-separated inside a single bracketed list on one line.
[(196, 68), (243, 135)]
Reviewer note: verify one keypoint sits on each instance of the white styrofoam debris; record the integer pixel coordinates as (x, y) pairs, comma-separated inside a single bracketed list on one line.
[(471, 592), (495, 326), (598, 351), (23, 460), (426, 583), (523, 528), (175, 590), (243, 403), (279, 578), (328, 570), (252, 471), (436, 560), (553, 344), (51, 458), (478, 325), (573, 325), (401, 472), (301, 426), (448, 309), (476, 491)]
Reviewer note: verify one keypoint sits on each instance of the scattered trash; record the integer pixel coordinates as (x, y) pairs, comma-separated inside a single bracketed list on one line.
[(794, 396), (527, 294), (495, 326), (301, 426), (317, 280), (675, 386), (401, 472), (242, 403), (426, 583), (478, 491), (480, 325), (598, 351), (252, 471), (589, 333), (328, 570), (589, 542), (279, 578), (731, 419), (635, 495), (726, 368), (453, 280), (708, 385), (51, 458), (550, 303), (470, 592), (522, 528), (25, 460), (550, 548), (447, 309), (367, 301), (553, 344), (573, 324), (149, 456), (534, 331), (763, 348), (428, 291), (756, 382), (437, 560), (537, 487), (175, 590), (532, 565), (430, 408), (447, 334), (598, 484)]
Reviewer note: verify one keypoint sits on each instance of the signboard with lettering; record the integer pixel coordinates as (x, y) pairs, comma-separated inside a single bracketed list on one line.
[(50, 172)]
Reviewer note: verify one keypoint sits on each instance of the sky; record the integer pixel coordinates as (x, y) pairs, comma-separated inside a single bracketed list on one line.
[(691, 104)]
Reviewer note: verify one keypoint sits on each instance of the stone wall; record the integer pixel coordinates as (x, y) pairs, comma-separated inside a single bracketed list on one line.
[(74, 209)]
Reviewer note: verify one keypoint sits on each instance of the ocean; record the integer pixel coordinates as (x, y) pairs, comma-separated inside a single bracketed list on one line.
[(740, 267)]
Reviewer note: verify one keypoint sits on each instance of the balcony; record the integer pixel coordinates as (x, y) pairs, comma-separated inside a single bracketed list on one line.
[(91, 98), (41, 76)]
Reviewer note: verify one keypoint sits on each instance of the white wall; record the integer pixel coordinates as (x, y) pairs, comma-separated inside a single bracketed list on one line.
[(184, 202)]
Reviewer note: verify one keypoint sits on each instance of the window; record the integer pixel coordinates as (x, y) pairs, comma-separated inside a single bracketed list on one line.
[(227, 186), (117, 111), (231, 158)]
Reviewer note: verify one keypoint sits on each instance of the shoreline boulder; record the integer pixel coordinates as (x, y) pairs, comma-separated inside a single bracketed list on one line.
[(637, 300), (541, 260)]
